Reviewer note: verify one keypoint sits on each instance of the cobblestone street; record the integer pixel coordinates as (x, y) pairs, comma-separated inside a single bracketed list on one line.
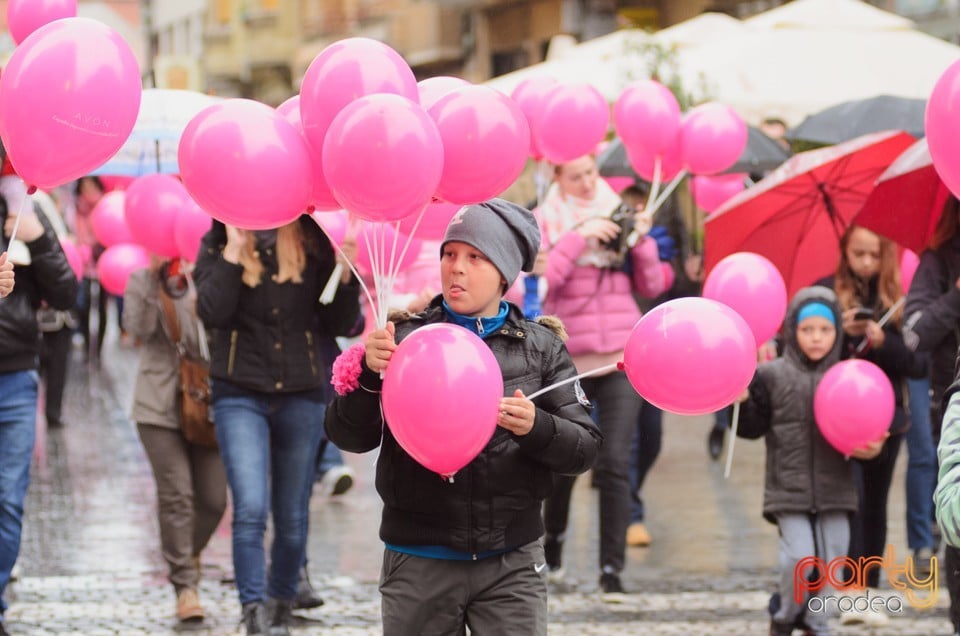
[(91, 564)]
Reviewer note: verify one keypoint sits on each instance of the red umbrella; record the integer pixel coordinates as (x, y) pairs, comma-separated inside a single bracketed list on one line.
[(907, 200), (796, 215)]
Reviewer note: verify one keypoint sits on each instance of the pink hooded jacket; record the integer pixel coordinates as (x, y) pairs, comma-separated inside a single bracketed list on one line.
[(596, 305)]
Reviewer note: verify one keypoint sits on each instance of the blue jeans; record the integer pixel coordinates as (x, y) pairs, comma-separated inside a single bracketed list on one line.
[(18, 425), (921, 467), (269, 445)]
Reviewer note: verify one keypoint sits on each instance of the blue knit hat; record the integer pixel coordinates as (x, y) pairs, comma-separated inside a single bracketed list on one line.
[(818, 310)]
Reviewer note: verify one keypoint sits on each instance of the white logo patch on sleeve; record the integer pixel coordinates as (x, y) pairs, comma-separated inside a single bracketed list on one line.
[(581, 396)]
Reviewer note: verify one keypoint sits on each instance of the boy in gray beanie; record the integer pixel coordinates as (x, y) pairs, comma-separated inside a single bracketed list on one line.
[(467, 552)]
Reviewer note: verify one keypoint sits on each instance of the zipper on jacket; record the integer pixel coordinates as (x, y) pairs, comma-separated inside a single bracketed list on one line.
[(480, 330), (310, 353), (233, 351)]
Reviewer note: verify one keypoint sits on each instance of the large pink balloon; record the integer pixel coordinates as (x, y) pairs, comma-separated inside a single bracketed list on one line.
[(383, 157), (686, 343), (321, 198), (117, 263), (433, 88), (109, 220), (434, 223), (73, 256), (188, 230), (531, 96), (485, 142), (441, 395), (647, 116), (712, 138), (752, 286), (710, 192), (345, 71), (942, 126), (575, 119), (151, 208), (68, 100), (853, 404), (26, 16), (246, 165), (380, 237)]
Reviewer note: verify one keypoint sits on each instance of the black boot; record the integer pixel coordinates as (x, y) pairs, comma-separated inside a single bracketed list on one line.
[(255, 618), (280, 617), (307, 597)]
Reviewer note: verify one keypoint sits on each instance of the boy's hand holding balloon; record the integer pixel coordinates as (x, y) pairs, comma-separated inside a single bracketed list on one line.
[(380, 347)]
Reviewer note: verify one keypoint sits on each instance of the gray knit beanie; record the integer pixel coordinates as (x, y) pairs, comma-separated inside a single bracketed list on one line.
[(506, 233)]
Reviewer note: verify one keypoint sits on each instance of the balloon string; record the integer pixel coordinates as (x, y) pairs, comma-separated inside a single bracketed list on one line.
[(666, 193), (655, 185), (734, 424), (597, 371), (16, 222), (410, 236), (353, 269)]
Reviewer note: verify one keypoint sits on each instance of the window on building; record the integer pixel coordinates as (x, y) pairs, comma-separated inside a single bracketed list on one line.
[(222, 10), (506, 61)]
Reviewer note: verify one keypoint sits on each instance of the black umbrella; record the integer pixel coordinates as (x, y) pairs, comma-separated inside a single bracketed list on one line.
[(760, 155), (849, 120)]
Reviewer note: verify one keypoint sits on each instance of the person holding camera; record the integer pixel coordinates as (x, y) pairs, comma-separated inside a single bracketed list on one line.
[(190, 478), (593, 267)]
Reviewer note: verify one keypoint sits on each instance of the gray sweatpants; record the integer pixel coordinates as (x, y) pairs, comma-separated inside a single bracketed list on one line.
[(825, 535), (505, 594)]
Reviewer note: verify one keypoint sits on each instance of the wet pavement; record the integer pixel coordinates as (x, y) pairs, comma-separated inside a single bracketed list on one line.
[(91, 564)]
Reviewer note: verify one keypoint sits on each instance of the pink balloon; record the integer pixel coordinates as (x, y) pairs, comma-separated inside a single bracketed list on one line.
[(73, 256), (117, 263), (68, 100), (646, 116), (344, 72), (752, 286), (909, 261), (434, 223), (942, 125), (321, 198), (151, 208), (188, 229), (441, 395), (433, 88), (710, 192), (853, 404), (246, 165), (575, 118), (619, 184), (26, 16), (682, 344), (643, 164), (383, 157), (109, 221), (712, 138), (531, 96), (334, 224), (380, 237), (485, 140)]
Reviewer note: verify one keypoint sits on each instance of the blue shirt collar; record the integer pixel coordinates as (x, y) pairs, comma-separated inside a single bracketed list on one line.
[(484, 326)]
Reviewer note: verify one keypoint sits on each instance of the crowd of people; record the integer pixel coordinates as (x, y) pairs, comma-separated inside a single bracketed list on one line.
[(553, 289)]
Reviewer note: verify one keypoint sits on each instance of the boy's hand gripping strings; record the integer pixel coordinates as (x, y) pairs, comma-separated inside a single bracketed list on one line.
[(517, 413)]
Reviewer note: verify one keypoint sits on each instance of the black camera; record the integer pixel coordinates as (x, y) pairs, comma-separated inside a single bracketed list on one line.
[(624, 216)]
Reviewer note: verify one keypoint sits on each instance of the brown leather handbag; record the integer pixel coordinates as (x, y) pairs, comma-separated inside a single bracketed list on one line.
[(196, 416)]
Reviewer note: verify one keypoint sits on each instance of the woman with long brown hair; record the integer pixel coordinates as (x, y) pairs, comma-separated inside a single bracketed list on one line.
[(868, 287)]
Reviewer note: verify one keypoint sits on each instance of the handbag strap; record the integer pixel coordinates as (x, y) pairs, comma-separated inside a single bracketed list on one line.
[(170, 314)]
